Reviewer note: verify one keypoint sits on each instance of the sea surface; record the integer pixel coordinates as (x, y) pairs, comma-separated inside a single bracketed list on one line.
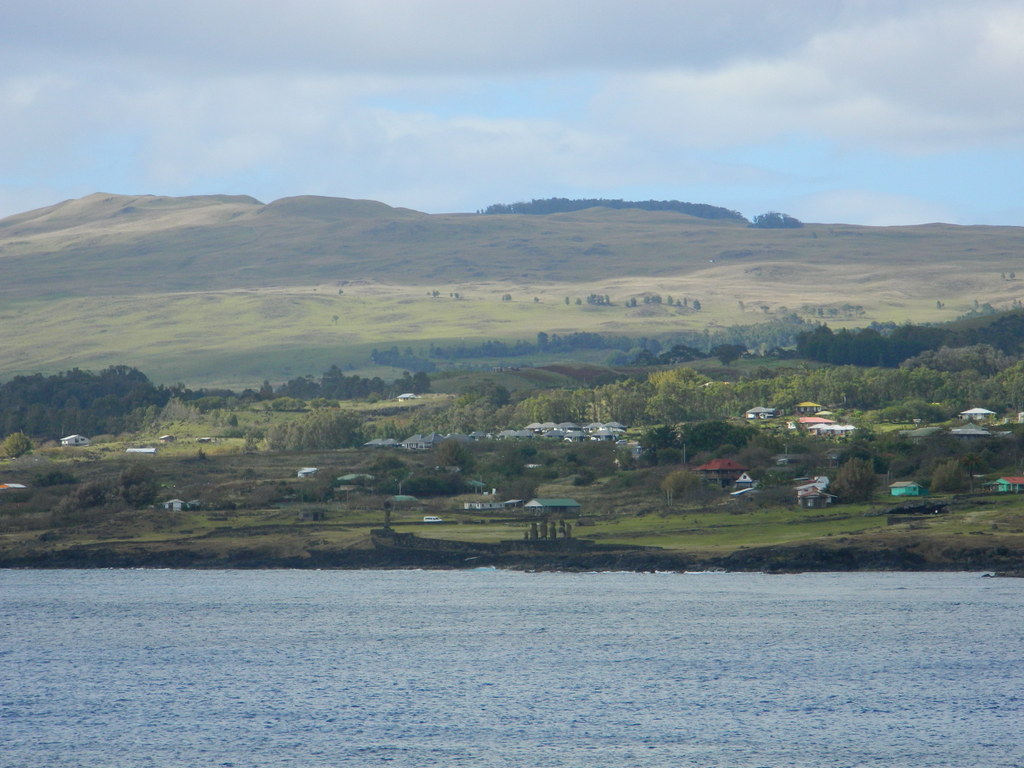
[(187, 669)]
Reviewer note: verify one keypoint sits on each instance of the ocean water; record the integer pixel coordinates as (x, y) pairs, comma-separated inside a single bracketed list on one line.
[(182, 669)]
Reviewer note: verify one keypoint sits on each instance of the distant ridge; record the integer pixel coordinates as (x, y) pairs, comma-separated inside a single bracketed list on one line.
[(565, 205)]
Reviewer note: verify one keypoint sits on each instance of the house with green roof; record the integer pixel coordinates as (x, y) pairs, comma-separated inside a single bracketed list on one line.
[(1008, 485), (553, 506)]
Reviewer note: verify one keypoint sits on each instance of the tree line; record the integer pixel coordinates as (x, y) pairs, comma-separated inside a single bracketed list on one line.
[(890, 345), (565, 205)]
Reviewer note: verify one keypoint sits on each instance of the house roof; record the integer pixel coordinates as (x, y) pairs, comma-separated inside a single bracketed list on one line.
[(721, 464), (978, 412), (552, 503), (814, 420), (808, 404), (905, 484), (1011, 480)]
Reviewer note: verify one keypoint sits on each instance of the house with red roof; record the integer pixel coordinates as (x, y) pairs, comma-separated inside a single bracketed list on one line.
[(1008, 485), (721, 471)]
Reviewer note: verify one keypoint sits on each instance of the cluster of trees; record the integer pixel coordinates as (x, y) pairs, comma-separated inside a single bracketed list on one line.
[(133, 487), (565, 205), (890, 345), (770, 337), (775, 220), (655, 298), (322, 429), (682, 394), (334, 384), (122, 399), (406, 359), (81, 401), (546, 343)]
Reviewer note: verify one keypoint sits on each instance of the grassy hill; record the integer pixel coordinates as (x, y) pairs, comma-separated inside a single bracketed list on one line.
[(226, 290)]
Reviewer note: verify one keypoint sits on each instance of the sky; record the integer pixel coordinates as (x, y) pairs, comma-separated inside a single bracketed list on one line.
[(876, 112)]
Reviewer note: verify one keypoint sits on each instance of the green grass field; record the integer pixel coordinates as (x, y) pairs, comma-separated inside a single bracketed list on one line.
[(228, 292)]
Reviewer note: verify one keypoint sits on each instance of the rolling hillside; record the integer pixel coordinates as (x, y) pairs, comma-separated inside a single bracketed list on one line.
[(227, 290)]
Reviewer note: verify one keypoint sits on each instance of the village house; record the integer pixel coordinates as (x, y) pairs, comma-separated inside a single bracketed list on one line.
[(907, 488), (970, 433), (813, 498), (976, 414), (1007, 485), (744, 481), (74, 441), (760, 412), (177, 505), (721, 471), (553, 506), (483, 505), (422, 442), (807, 408)]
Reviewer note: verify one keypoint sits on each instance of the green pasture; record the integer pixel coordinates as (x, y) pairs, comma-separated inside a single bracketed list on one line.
[(228, 292)]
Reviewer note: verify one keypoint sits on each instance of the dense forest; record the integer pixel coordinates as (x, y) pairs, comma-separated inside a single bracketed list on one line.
[(890, 345)]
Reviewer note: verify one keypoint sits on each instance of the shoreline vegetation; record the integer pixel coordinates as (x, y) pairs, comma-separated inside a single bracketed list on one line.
[(266, 480)]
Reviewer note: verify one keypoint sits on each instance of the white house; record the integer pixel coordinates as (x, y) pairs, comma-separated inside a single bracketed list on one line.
[(408, 396), (307, 472), (482, 505), (74, 440), (177, 505), (976, 414)]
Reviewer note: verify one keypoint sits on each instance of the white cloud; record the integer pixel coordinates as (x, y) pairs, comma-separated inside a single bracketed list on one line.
[(452, 104), (929, 81)]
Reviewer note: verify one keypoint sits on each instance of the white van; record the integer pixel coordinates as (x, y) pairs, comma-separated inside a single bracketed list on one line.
[(432, 519)]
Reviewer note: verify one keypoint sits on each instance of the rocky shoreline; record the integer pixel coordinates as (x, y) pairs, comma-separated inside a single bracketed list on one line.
[(782, 559)]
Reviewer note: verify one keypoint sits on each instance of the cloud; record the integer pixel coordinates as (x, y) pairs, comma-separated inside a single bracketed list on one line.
[(451, 104), (928, 81), (423, 36)]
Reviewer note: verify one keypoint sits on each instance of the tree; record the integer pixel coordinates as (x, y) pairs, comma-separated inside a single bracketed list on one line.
[(452, 453), (948, 476), (855, 480), (727, 353), (678, 482), (17, 444), (775, 220)]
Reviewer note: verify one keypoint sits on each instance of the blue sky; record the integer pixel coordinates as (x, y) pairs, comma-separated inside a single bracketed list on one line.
[(864, 111)]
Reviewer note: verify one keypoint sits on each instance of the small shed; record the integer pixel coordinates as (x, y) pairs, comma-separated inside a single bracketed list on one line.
[(178, 505), (74, 441), (307, 472)]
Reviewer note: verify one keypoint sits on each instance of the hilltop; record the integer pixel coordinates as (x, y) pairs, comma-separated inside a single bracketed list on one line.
[(228, 290)]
